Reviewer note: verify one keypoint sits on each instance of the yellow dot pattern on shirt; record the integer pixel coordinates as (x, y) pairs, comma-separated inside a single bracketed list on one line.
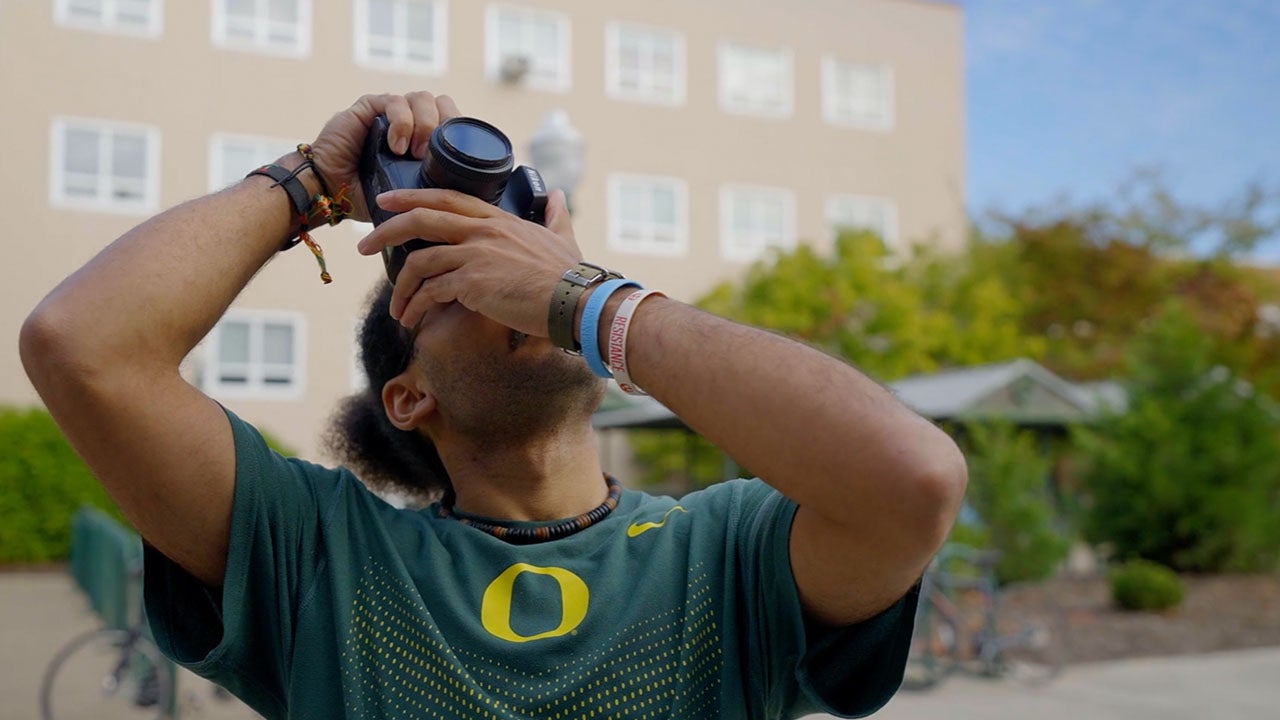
[(397, 663)]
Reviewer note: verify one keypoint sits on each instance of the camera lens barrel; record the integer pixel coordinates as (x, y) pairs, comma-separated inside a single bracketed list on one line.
[(470, 156)]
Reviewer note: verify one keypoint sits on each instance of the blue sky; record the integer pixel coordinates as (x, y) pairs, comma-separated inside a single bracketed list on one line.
[(1071, 97)]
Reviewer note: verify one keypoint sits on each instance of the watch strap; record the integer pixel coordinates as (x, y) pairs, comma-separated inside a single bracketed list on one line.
[(293, 187), (564, 302)]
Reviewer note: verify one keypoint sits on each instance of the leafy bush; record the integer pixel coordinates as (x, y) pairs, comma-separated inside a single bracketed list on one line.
[(1010, 495), (1144, 585), (42, 482), (1189, 476)]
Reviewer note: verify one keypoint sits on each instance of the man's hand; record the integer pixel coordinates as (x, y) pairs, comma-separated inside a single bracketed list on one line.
[(412, 117), (493, 262)]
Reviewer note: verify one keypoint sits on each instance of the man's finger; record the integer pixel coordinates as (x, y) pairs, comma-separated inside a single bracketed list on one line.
[(400, 119), (558, 220), (449, 201), (418, 222), (426, 116), (421, 267), (447, 108)]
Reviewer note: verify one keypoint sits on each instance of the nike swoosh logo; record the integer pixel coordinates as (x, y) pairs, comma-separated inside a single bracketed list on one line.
[(637, 529)]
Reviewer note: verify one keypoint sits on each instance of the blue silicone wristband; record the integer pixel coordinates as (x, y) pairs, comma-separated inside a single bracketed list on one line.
[(588, 332)]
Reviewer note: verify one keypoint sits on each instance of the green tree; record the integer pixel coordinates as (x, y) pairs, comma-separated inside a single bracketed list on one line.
[(1189, 475), (1010, 492), (887, 317)]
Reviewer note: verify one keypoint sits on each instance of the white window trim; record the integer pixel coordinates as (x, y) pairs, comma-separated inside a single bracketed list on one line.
[(57, 149), (728, 105), (218, 140), (830, 114), (218, 33), (733, 251), (657, 249), (440, 42), (62, 16), (891, 238), (493, 61), (613, 66), (256, 390)]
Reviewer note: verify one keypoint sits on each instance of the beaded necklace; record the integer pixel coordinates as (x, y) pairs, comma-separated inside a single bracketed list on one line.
[(529, 535)]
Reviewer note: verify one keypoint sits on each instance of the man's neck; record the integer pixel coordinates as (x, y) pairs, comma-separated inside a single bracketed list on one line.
[(545, 478)]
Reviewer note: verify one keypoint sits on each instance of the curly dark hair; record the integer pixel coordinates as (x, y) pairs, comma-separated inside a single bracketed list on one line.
[(361, 437)]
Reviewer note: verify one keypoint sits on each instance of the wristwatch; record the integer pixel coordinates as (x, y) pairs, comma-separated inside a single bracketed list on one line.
[(564, 302)]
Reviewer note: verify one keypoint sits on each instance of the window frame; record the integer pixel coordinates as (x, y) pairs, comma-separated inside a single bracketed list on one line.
[(154, 28), (58, 197), (730, 105), (398, 62), (563, 82), (219, 140), (890, 237), (613, 65), (831, 113), (731, 249), (254, 387), (301, 49), (648, 246)]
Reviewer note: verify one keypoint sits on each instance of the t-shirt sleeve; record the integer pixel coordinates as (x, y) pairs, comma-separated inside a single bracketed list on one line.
[(801, 668), (241, 635)]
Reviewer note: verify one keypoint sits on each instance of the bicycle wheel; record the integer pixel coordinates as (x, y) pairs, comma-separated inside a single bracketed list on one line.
[(107, 675), (933, 651), (1032, 652)]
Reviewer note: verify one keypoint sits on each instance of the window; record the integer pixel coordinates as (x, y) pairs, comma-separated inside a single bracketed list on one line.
[(272, 26), (864, 212), (857, 94), (256, 354), (402, 34), (754, 219), (528, 45), (645, 64), (102, 165), (231, 157), (648, 215), (756, 81), (134, 17)]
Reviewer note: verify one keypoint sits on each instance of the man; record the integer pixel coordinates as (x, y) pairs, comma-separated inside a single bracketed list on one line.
[(298, 589)]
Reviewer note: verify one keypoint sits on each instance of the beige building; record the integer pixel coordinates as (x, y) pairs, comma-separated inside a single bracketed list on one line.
[(714, 131)]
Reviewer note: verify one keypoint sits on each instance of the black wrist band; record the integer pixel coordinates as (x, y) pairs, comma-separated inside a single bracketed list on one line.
[(293, 187)]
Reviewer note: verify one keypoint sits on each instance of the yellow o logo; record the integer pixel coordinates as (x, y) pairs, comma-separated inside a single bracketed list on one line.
[(495, 606)]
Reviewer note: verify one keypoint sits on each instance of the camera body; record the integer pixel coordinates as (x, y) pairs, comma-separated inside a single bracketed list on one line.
[(463, 154)]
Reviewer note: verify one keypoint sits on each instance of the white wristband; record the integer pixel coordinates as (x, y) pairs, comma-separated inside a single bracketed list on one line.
[(618, 340)]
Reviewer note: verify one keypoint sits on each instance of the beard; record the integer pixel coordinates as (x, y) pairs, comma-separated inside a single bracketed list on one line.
[(505, 397)]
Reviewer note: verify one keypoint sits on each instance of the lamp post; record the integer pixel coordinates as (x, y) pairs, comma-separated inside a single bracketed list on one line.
[(557, 151)]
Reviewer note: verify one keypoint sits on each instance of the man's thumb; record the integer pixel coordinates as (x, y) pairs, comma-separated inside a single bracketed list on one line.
[(558, 219)]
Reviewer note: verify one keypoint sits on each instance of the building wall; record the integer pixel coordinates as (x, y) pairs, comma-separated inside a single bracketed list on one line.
[(189, 89)]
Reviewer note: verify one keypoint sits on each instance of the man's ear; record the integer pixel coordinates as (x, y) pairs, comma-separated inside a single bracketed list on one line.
[(406, 404)]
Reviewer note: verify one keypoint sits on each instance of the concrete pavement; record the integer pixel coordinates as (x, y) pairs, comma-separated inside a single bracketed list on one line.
[(39, 611)]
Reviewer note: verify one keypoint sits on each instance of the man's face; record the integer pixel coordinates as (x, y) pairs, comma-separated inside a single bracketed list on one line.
[(495, 385)]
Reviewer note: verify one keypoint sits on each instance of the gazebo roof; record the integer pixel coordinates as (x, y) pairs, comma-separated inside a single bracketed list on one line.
[(1021, 391)]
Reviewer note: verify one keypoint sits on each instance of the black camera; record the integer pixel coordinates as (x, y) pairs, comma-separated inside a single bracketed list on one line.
[(463, 154)]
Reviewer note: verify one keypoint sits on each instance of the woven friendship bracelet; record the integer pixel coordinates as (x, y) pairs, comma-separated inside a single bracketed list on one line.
[(588, 332), (618, 331)]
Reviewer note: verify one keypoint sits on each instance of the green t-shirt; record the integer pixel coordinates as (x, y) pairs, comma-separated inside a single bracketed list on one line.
[(336, 604)]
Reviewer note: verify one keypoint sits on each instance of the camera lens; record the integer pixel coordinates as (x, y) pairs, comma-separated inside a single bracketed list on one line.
[(470, 156)]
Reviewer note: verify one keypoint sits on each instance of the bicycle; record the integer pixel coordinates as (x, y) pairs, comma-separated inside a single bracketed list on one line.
[(110, 673), (960, 626)]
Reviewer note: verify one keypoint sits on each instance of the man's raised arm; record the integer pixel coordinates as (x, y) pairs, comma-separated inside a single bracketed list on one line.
[(104, 347)]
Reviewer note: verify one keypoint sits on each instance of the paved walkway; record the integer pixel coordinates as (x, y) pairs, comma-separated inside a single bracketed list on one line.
[(41, 611)]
